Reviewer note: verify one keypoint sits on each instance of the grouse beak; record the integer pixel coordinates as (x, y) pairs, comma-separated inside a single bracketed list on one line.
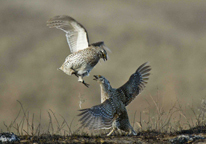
[(60, 68), (104, 57), (96, 77)]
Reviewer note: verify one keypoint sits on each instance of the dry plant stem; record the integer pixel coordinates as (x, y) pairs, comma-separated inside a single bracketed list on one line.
[(32, 125), (182, 113), (29, 122), (39, 126), (58, 126), (161, 122), (134, 118), (11, 125), (71, 122), (24, 117), (170, 114), (140, 121), (158, 113), (140, 118), (197, 117), (70, 132), (50, 124)]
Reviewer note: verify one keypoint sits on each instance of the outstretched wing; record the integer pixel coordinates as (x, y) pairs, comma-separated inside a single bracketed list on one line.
[(76, 34), (99, 116), (136, 83)]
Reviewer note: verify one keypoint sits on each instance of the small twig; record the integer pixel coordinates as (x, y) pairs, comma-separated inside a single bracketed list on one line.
[(134, 118), (32, 126), (70, 132), (71, 122), (50, 123), (58, 126)]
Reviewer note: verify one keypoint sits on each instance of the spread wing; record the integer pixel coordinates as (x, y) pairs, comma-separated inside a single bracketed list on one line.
[(76, 34), (136, 83), (99, 116)]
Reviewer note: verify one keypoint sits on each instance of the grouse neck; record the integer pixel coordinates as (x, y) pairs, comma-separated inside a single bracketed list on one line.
[(105, 94)]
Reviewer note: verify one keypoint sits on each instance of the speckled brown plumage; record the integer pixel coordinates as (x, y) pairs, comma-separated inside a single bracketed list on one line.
[(84, 55), (112, 110)]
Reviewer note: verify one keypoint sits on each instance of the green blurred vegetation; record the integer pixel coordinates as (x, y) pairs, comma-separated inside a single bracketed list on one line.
[(171, 35)]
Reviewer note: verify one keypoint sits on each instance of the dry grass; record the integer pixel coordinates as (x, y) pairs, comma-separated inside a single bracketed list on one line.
[(161, 123), (169, 34), (156, 129), (26, 124)]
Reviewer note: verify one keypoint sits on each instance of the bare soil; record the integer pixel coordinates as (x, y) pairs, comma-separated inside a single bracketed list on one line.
[(142, 138)]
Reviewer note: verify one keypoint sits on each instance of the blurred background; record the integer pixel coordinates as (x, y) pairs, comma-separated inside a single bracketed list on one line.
[(171, 35)]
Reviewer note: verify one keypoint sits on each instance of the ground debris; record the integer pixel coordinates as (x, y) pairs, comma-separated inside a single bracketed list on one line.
[(143, 137), (186, 139), (194, 130), (8, 137)]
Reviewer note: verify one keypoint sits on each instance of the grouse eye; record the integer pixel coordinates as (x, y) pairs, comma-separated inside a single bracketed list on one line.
[(102, 80)]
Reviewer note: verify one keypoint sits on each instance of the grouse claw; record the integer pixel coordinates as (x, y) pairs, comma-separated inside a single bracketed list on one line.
[(87, 85)]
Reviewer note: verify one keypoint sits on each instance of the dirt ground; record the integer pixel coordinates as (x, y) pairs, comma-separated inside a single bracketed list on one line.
[(194, 135), (103, 139)]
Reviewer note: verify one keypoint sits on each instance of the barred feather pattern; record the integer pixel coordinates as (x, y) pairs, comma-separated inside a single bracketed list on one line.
[(122, 123), (112, 112), (136, 83), (84, 56), (76, 34), (100, 116)]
